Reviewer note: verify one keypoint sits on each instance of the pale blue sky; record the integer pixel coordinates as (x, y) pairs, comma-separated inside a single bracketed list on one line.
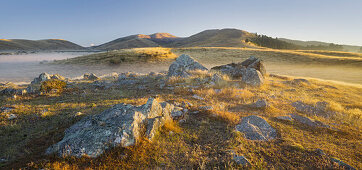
[(95, 21)]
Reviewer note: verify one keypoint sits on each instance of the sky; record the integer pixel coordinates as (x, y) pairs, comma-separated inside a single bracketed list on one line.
[(87, 22)]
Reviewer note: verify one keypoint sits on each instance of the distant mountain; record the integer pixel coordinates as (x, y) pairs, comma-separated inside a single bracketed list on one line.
[(208, 38), (348, 48), (138, 40), (37, 45), (216, 38)]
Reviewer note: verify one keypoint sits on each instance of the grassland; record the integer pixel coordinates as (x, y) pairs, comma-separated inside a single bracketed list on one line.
[(116, 57), (202, 141)]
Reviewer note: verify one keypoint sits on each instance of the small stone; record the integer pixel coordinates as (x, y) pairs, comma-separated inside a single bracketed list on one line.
[(256, 128), (241, 160), (260, 104), (206, 108), (90, 76), (12, 116), (197, 97), (287, 118), (177, 112)]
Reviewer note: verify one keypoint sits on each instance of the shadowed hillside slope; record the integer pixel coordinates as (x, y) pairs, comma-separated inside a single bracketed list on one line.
[(37, 45)]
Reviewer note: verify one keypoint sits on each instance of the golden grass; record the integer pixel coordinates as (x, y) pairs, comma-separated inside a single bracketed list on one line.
[(5, 40), (203, 140), (115, 57)]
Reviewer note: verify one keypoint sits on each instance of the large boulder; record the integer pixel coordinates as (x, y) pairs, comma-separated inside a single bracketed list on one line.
[(237, 70), (256, 128), (42, 77), (121, 125), (256, 63), (252, 77), (183, 65)]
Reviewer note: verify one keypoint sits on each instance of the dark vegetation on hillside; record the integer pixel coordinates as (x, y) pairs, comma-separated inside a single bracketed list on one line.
[(275, 43)]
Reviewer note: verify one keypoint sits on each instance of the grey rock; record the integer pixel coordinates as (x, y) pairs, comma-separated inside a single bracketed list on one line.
[(216, 78), (260, 104), (237, 70), (206, 108), (57, 76), (42, 77), (6, 109), (319, 110), (256, 128), (197, 97), (298, 81), (121, 125), (241, 160), (256, 63), (177, 112), (252, 77), (342, 164), (287, 118), (307, 121), (12, 116), (90, 76), (183, 65)]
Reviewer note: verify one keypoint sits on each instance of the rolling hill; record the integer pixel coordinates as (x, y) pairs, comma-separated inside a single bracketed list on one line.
[(138, 41), (37, 45), (347, 48), (208, 38)]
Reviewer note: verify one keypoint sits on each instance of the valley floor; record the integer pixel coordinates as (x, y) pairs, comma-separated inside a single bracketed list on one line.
[(206, 139)]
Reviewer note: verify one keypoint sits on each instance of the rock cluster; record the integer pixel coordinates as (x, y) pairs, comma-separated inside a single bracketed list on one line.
[(45, 76), (320, 109), (251, 71), (90, 76), (256, 128), (121, 125), (183, 65)]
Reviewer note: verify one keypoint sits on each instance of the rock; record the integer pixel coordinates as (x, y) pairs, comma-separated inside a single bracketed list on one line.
[(216, 78), (342, 164), (241, 160), (252, 77), (57, 76), (177, 112), (256, 63), (42, 77), (6, 109), (9, 91), (12, 116), (298, 81), (197, 97), (233, 70), (260, 104), (307, 121), (206, 108), (287, 118), (121, 125), (90, 76), (237, 70), (320, 152), (319, 110), (256, 128), (183, 65)]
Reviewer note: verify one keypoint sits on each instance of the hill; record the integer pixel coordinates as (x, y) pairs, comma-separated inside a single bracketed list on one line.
[(138, 41), (208, 38), (37, 45), (347, 48)]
